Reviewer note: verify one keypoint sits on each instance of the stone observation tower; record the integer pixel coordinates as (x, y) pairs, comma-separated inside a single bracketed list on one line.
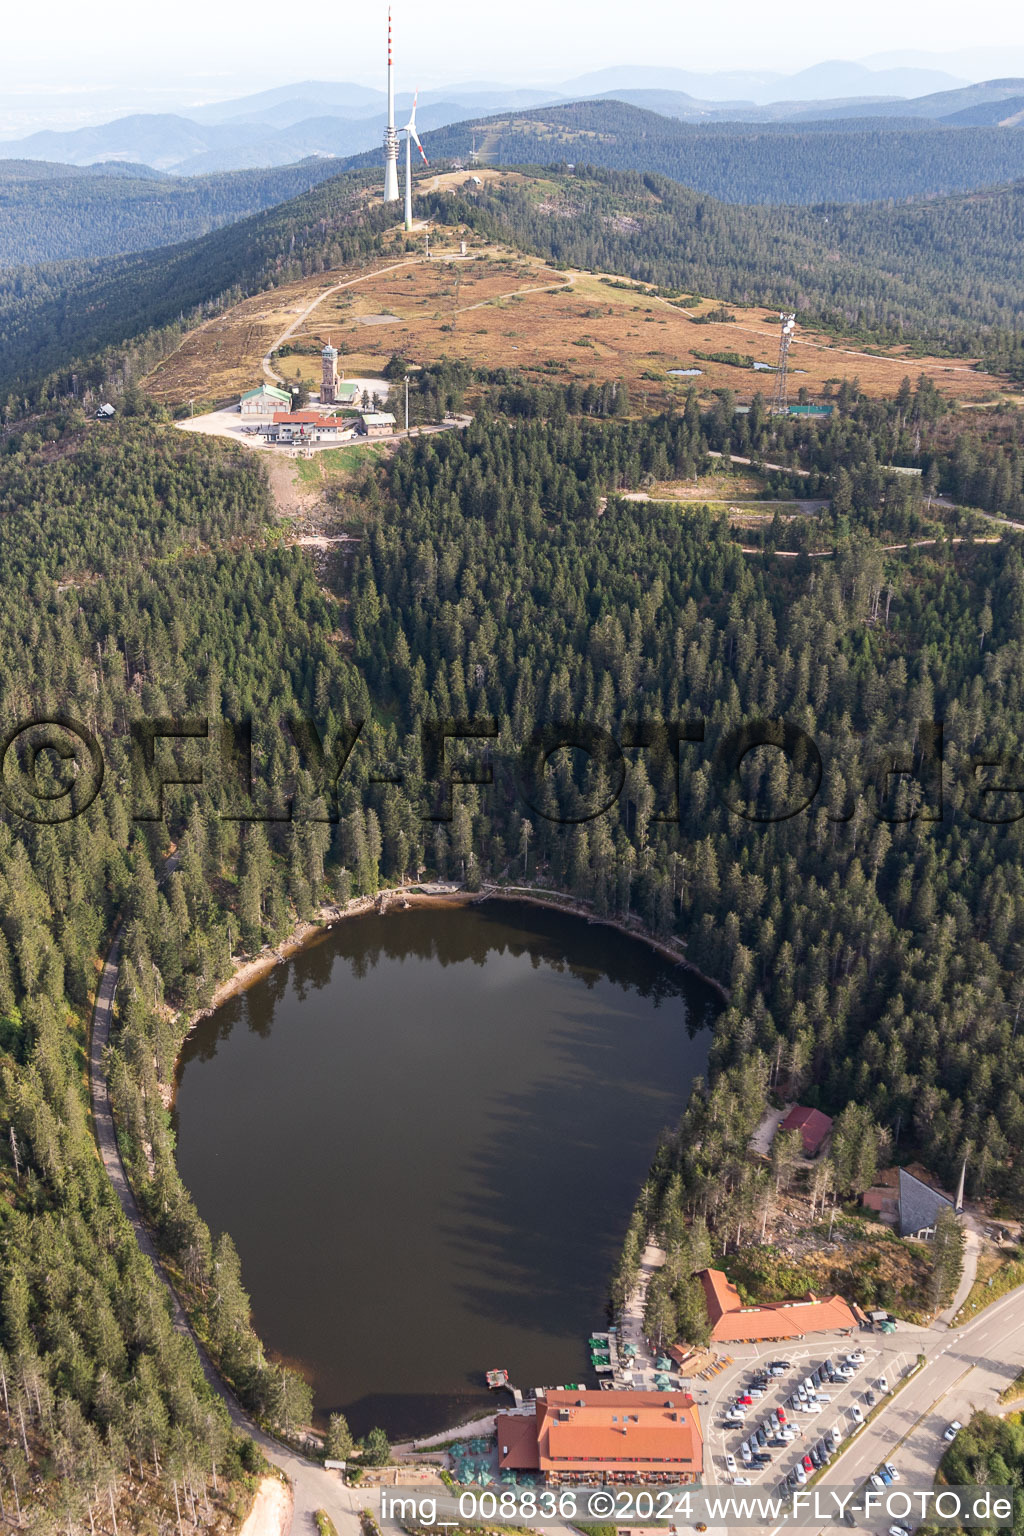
[(329, 378)]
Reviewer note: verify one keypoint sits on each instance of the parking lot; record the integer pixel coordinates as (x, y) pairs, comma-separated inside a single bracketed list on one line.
[(820, 1409)]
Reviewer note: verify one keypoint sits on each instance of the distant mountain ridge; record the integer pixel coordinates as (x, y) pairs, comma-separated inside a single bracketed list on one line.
[(51, 212), (318, 118)]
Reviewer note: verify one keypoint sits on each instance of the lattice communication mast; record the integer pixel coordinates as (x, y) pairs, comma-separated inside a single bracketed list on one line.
[(780, 399)]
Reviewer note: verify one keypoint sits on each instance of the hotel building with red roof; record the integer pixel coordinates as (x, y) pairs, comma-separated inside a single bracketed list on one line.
[(596, 1437), (734, 1323)]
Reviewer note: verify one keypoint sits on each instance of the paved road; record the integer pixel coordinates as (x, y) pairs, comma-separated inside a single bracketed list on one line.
[(965, 1373), (314, 1488)]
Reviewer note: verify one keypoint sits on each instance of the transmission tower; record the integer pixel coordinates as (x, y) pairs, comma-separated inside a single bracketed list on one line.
[(780, 399)]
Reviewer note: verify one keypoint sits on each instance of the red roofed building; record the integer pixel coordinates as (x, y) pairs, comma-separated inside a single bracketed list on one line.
[(812, 1125), (305, 427), (733, 1323), (599, 1437)]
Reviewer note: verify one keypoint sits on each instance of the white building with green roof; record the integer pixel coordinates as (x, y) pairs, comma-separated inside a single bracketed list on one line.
[(265, 401)]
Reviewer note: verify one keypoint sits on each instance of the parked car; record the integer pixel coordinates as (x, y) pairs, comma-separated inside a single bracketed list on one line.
[(829, 1366), (760, 1437), (882, 1383), (762, 1459), (855, 1414), (791, 1480), (777, 1443), (807, 1464), (816, 1377), (893, 1473), (899, 1530), (824, 1397), (845, 1373), (815, 1458), (787, 1434), (876, 1481), (780, 1414), (742, 1482), (730, 1462), (745, 1450), (801, 1475), (870, 1399), (745, 1399), (783, 1365), (886, 1479), (953, 1430), (808, 1385), (856, 1357)]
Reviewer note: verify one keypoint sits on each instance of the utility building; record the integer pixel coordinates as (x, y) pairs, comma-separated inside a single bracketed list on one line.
[(378, 423), (265, 401)]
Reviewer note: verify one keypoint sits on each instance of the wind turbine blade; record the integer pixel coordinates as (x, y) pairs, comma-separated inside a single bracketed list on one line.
[(419, 146)]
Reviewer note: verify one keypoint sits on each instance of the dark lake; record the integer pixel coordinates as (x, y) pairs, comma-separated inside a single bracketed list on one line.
[(426, 1135)]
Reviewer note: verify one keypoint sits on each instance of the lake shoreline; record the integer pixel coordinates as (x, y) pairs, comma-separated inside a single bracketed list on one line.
[(455, 899), (402, 898)]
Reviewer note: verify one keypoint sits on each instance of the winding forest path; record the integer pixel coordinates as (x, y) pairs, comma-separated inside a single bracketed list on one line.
[(313, 1488), (352, 282)]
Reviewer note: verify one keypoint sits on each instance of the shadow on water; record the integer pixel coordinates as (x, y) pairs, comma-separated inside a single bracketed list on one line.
[(426, 1134)]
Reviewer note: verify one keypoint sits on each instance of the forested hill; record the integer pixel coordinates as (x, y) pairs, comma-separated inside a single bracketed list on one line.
[(876, 272), (840, 162), (52, 170), (57, 314), (68, 213)]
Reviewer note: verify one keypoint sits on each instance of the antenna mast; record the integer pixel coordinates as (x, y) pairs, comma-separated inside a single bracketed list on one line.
[(780, 399), (391, 132)]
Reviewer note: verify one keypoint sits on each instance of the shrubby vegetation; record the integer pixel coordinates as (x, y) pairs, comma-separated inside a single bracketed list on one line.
[(109, 320), (831, 263)]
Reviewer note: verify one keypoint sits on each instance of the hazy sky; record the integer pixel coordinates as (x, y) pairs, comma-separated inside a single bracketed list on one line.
[(210, 48)]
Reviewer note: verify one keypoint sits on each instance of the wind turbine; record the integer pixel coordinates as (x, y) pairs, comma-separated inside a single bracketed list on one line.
[(410, 133)]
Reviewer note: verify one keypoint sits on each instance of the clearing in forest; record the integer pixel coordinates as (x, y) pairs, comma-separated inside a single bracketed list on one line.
[(500, 309)]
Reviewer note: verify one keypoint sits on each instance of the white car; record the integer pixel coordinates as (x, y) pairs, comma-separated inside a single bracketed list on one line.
[(899, 1530), (824, 1397), (845, 1373), (856, 1358), (953, 1430), (876, 1481), (730, 1462), (855, 1414), (893, 1473), (882, 1383), (801, 1475), (742, 1482)]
